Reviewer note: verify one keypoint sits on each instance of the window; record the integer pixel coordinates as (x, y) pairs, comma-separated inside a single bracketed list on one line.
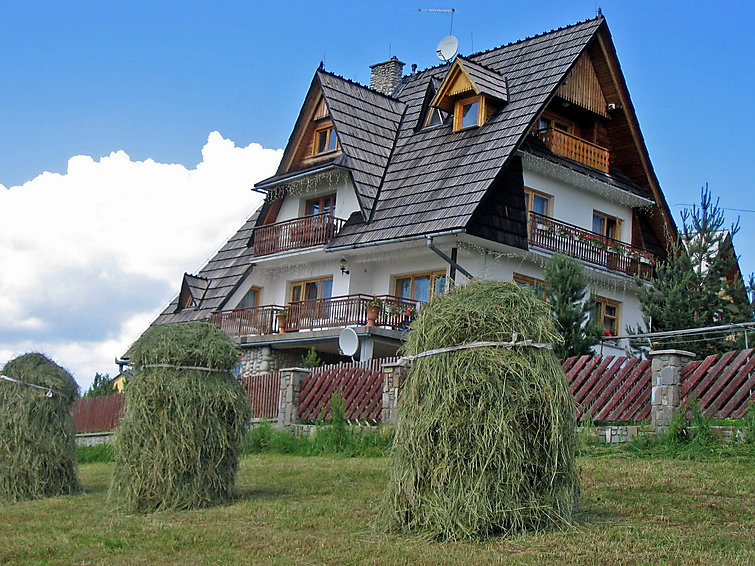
[(311, 289), (605, 225), (606, 313), (547, 122), (467, 113), (537, 286), (320, 205), (325, 140), (421, 286), (251, 299), (437, 117), (538, 202)]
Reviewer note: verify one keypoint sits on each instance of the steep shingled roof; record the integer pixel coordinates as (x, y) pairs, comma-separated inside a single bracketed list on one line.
[(436, 178)]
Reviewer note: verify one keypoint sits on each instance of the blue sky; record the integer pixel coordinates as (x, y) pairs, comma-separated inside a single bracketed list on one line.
[(155, 79)]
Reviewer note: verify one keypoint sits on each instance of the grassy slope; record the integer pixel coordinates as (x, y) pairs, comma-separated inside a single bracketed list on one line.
[(296, 510)]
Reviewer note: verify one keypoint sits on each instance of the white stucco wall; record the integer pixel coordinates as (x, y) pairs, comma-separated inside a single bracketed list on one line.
[(337, 182)]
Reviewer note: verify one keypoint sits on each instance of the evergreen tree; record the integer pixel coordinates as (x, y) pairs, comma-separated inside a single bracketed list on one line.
[(101, 385), (698, 285), (566, 290)]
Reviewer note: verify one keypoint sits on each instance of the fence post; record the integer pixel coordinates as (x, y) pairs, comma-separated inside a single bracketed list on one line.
[(666, 393), (288, 401), (394, 374)]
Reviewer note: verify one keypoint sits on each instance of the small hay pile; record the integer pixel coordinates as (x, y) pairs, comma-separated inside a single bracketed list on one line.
[(177, 445), (37, 446), (485, 437)]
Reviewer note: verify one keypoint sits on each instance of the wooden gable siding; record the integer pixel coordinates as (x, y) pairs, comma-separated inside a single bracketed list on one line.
[(502, 215), (583, 88)]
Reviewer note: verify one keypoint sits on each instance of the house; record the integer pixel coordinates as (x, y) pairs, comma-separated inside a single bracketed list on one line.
[(479, 167)]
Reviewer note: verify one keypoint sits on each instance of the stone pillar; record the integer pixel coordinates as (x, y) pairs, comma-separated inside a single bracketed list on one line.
[(394, 375), (666, 393), (288, 401)]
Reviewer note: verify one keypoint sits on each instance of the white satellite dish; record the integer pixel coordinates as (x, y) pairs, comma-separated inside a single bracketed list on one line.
[(447, 48), (348, 342)]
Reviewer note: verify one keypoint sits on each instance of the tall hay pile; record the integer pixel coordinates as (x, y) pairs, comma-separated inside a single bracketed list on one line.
[(485, 437), (37, 446), (177, 445)]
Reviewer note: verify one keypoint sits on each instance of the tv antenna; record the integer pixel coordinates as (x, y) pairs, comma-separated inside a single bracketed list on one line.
[(442, 10)]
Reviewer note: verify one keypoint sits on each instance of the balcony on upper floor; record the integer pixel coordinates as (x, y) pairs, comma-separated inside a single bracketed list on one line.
[(305, 232), (383, 311), (556, 236), (575, 148)]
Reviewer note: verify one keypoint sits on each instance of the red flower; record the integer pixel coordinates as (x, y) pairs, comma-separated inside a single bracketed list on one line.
[(606, 333)]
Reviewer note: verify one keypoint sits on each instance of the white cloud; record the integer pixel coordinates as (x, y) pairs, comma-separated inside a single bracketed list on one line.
[(90, 256)]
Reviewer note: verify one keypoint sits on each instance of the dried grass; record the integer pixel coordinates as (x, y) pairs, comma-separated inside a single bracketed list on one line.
[(37, 447), (178, 443), (485, 438)]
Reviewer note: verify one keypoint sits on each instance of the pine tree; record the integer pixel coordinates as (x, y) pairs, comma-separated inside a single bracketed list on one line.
[(566, 290), (101, 385), (699, 284)]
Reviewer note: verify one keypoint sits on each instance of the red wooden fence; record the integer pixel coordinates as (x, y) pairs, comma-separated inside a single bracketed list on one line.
[(97, 414), (360, 384), (610, 388), (723, 384), (263, 392)]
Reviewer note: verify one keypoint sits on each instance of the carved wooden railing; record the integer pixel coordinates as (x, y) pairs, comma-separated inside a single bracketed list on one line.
[(395, 312), (575, 148), (305, 232), (557, 236), (348, 310), (247, 322)]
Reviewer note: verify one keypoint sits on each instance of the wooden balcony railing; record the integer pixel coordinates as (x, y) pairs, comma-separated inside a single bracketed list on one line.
[(304, 232), (575, 148), (348, 310), (553, 235), (247, 322)]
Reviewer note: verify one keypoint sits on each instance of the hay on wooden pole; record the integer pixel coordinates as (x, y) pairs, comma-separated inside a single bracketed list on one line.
[(177, 445), (37, 443), (485, 437)]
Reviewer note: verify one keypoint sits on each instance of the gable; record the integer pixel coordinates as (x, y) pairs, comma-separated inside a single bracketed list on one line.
[(582, 87)]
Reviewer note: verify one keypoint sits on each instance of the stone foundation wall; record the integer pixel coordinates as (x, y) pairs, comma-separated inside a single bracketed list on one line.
[(264, 359)]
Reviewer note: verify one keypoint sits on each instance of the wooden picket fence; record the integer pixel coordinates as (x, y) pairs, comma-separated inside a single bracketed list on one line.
[(360, 384), (723, 384), (609, 388), (97, 414), (263, 392)]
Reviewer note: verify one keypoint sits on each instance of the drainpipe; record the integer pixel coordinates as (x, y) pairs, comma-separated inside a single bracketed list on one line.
[(451, 262)]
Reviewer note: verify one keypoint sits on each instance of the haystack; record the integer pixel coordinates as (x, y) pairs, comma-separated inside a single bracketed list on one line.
[(485, 437), (37, 447), (177, 445)]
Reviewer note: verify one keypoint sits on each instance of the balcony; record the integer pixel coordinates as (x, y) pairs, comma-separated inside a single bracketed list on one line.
[(575, 148), (556, 236), (305, 232), (315, 314)]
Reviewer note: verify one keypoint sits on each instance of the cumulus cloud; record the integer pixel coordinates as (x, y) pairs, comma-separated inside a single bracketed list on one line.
[(90, 256)]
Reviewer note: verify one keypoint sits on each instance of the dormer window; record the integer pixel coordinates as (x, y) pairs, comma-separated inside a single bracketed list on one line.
[(437, 117), (468, 111), (326, 140)]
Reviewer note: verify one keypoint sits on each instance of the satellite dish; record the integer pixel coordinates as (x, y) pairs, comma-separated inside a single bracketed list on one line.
[(348, 342), (447, 48)]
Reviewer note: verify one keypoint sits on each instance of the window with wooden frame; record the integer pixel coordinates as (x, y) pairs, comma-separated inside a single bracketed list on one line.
[(326, 140), (320, 205), (606, 225), (606, 313), (311, 289), (537, 286), (548, 121), (250, 299), (538, 202), (437, 117), (469, 112), (420, 286)]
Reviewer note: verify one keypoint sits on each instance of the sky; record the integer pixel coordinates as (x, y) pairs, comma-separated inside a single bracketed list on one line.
[(131, 133)]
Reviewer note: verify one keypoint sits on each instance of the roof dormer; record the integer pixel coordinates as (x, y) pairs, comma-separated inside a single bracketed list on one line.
[(470, 92), (193, 289)]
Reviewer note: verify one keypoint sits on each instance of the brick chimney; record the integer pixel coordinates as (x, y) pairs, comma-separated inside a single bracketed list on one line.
[(386, 76)]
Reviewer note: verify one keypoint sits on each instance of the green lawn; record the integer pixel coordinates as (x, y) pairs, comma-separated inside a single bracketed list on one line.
[(318, 510)]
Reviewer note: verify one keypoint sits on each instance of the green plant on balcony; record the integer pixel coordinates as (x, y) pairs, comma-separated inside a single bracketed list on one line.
[(376, 303)]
